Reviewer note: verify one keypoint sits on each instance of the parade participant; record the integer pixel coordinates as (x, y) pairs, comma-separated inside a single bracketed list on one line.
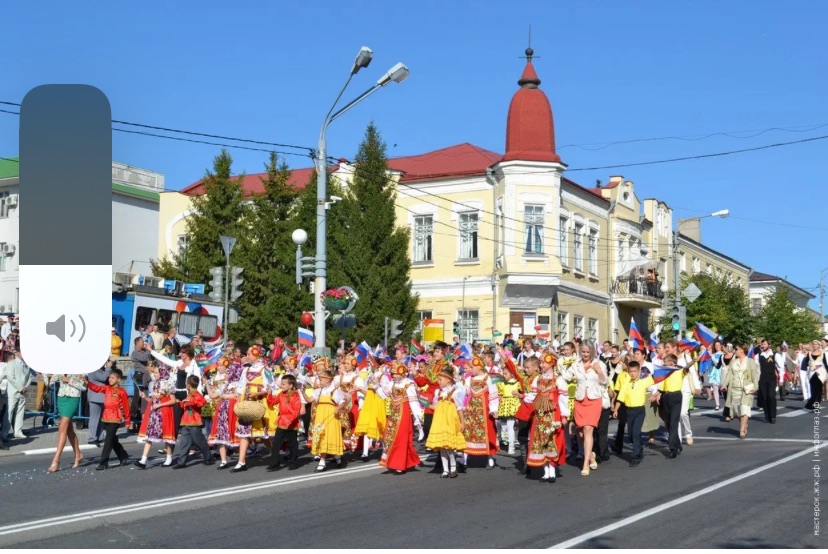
[(116, 411), (591, 380), (547, 443), (350, 384), (426, 381), (287, 428), (191, 433), (68, 401), (446, 436), (492, 368), (526, 412), (481, 411), (326, 434), (509, 404), (157, 424), (742, 383), (816, 362), (669, 396), (371, 423), (767, 382), (633, 394), (222, 389), (255, 383), (620, 376), (399, 455), (714, 374), (569, 357)]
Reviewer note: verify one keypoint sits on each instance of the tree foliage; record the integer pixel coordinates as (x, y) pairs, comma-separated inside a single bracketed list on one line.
[(723, 307), (783, 321)]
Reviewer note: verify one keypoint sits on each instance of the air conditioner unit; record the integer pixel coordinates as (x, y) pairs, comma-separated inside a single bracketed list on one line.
[(157, 282), (11, 200), (124, 279), (9, 249)]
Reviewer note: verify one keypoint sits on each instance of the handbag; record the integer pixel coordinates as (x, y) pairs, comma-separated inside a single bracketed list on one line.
[(248, 411), (749, 388)]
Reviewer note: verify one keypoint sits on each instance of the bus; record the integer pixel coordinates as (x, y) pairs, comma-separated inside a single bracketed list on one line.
[(133, 310)]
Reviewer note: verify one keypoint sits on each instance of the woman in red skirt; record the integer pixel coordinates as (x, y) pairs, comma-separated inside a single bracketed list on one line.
[(590, 381), (547, 444), (399, 455)]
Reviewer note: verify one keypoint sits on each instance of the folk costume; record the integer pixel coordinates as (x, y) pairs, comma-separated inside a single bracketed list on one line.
[(482, 406), (547, 444), (372, 418), (190, 430), (224, 385), (446, 435), (157, 425), (115, 412), (509, 405), (255, 378), (326, 434), (289, 405), (427, 387), (349, 381), (399, 454)]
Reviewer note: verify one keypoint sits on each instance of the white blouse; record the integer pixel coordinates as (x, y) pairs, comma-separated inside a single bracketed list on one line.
[(456, 393), (332, 390), (410, 388), (494, 397)]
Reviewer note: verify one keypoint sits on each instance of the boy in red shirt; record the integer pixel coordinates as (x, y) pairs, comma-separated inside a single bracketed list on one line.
[(115, 412), (287, 427), (189, 433)]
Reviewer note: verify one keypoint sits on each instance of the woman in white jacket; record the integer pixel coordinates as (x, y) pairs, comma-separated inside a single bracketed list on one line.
[(690, 387)]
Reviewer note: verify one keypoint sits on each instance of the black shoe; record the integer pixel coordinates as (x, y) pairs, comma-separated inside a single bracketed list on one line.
[(209, 462), (139, 464), (364, 458), (461, 468), (673, 454), (320, 469), (101, 467), (444, 475), (340, 464), (239, 469), (124, 462), (274, 467), (635, 461), (543, 480), (617, 449), (453, 475), (179, 466), (223, 465), (551, 479), (293, 466), (773, 420)]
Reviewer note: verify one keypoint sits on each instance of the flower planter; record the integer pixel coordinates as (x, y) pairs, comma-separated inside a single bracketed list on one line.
[(335, 303)]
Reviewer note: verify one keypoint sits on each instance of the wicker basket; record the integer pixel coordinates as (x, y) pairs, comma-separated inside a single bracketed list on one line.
[(249, 410)]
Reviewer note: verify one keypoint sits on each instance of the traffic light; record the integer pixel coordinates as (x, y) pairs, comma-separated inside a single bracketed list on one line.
[(456, 329), (675, 318), (217, 284), (236, 282), (396, 328)]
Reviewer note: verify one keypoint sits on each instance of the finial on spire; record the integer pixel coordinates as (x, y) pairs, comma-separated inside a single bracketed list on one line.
[(529, 53)]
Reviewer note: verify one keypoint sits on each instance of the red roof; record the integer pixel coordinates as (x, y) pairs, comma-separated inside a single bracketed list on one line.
[(252, 184), (461, 159), (530, 129)]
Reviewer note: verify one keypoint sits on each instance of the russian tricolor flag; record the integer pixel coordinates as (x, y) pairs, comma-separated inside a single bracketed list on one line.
[(462, 355), (688, 344), (636, 338), (661, 373), (305, 337), (704, 335), (305, 360), (653, 340)]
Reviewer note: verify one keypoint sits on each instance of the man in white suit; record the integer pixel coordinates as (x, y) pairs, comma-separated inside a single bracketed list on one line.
[(17, 377)]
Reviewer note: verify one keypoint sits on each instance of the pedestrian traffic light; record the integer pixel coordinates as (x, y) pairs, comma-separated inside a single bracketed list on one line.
[(236, 283), (456, 329), (675, 318), (217, 284), (396, 328)]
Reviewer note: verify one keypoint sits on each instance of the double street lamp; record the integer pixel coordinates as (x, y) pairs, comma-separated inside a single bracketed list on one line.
[(396, 74), (676, 282)]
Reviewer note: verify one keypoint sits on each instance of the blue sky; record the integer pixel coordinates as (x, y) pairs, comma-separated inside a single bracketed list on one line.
[(614, 71)]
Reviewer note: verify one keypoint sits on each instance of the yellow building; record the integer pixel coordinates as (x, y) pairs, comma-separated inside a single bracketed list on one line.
[(507, 242)]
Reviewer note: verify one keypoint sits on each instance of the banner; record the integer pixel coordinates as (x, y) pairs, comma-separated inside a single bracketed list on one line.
[(433, 330)]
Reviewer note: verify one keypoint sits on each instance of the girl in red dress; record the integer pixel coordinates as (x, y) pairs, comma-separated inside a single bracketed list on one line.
[(480, 414), (399, 455), (158, 423), (547, 444)]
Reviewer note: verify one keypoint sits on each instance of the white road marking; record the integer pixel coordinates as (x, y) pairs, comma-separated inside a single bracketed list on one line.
[(705, 412), (251, 487), (53, 449), (658, 509), (810, 441), (795, 413)]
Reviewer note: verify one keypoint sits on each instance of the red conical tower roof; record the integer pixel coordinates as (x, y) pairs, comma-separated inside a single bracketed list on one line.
[(530, 129)]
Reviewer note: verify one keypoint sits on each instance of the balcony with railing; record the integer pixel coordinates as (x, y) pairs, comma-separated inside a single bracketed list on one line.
[(637, 292)]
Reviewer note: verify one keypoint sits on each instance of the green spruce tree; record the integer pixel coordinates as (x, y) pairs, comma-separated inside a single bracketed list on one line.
[(376, 249), (783, 321), (219, 211), (271, 302)]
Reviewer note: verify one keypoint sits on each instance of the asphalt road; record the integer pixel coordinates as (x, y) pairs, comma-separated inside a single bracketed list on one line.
[(722, 492)]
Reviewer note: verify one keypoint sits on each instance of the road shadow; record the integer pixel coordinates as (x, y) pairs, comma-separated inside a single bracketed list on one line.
[(726, 431)]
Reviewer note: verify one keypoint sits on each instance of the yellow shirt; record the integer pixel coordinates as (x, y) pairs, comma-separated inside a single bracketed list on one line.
[(622, 378), (673, 382), (634, 393), (116, 345)]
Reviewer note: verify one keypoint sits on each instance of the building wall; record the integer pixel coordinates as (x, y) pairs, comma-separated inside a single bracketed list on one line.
[(135, 233), (759, 291), (10, 234), (172, 224), (711, 264)]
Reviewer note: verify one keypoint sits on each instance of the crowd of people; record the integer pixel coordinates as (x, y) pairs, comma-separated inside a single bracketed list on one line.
[(543, 402)]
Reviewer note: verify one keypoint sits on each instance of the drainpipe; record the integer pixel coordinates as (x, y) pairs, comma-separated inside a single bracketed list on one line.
[(492, 181)]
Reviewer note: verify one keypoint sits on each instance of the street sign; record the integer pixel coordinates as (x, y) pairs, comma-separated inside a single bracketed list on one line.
[(347, 321), (227, 243), (692, 292)]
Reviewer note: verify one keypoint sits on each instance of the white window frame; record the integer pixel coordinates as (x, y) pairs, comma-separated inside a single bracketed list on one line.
[(533, 221), (465, 318), (183, 242), (423, 229), (592, 251), (696, 266), (592, 330), (563, 244), (563, 326), (468, 239), (622, 249), (683, 262), (578, 326), (501, 226), (421, 315), (578, 246), (4, 208)]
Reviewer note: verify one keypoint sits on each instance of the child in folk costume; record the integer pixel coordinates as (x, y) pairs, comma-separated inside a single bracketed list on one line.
[(547, 444), (350, 383), (221, 388), (287, 428), (371, 423), (157, 424), (426, 381), (446, 434), (326, 432), (115, 412), (399, 454), (255, 383), (190, 430), (509, 404), (481, 411), (566, 396)]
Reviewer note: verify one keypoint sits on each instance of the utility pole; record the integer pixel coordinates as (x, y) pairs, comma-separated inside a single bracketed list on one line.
[(227, 243), (676, 281)]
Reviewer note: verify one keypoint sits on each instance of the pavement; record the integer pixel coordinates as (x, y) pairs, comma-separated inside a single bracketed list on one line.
[(722, 492)]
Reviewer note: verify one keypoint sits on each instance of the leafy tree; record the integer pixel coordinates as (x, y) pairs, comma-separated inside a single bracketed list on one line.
[(723, 307), (376, 249), (783, 321), (219, 211), (271, 301)]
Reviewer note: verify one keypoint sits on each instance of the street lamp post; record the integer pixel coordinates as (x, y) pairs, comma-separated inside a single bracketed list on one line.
[(676, 282), (822, 301), (396, 74)]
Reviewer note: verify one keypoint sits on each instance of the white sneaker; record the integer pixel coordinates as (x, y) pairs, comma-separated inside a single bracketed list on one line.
[(689, 441)]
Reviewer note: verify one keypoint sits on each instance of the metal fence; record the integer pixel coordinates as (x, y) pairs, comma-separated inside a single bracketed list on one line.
[(637, 286)]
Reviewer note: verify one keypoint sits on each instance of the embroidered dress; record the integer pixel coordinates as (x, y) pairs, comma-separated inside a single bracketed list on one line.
[(157, 425), (327, 430), (254, 380), (445, 427), (399, 453), (348, 419), (371, 422), (223, 431), (546, 438), (480, 432), (508, 404)]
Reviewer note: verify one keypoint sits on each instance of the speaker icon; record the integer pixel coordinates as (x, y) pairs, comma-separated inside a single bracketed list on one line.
[(57, 328)]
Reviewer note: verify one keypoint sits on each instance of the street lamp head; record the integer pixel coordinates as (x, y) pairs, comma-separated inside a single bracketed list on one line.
[(362, 60), (398, 74), (664, 287), (721, 213), (300, 237)]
